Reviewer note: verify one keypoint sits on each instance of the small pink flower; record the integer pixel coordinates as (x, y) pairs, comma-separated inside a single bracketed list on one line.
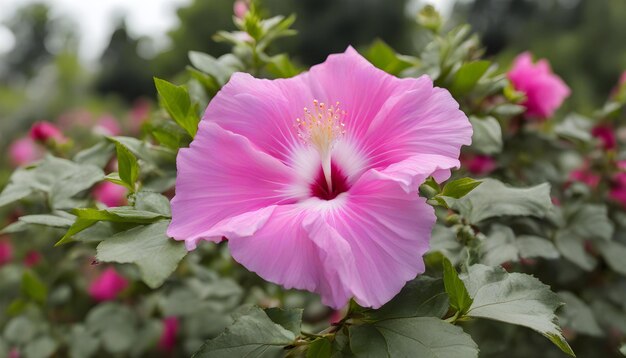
[(606, 135), (544, 90), (167, 342), (45, 131), (240, 8), (14, 353), (586, 176), (139, 113), (107, 125), (621, 165), (24, 151), (107, 286), (6, 252), (110, 194), (618, 189), (314, 179), (32, 258), (480, 164)]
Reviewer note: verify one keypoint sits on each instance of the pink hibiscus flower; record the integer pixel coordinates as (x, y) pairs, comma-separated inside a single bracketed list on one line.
[(480, 164), (167, 341), (6, 252), (618, 189), (544, 90), (107, 286), (110, 194), (606, 135), (24, 151), (45, 131), (314, 179)]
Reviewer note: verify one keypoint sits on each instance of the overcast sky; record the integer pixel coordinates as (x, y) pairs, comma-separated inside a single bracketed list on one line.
[(96, 19)]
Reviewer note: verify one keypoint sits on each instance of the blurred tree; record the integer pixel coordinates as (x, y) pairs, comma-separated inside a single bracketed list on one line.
[(123, 71)]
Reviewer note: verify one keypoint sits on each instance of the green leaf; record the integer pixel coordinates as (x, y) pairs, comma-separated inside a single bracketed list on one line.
[(128, 167), (468, 75), (493, 199), (622, 349), (212, 66), (575, 127), (507, 110), (320, 348), (156, 255), (40, 347), (33, 287), (78, 226), (153, 202), (119, 214), (501, 246), (253, 334), (514, 298), (576, 315), (82, 343), (282, 67), (114, 325), (422, 297), (76, 180), (455, 288), (20, 330), (98, 155), (47, 220), (384, 57), (615, 255), (290, 319), (177, 103), (411, 337), (487, 136), (460, 187)]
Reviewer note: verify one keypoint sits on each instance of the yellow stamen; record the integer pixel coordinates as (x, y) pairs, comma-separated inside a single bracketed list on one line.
[(321, 128)]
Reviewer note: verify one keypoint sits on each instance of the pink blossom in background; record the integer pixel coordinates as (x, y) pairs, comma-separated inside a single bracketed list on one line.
[(167, 342), (107, 125), (586, 176), (79, 117), (606, 135), (45, 131), (14, 353), (32, 258), (110, 194), (621, 165), (107, 286), (240, 8), (6, 252), (139, 113), (314, 179), (544, 90), (618, 189), (480, 164), (24, 151)]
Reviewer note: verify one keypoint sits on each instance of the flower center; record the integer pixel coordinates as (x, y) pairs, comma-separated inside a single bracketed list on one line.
[(321, 127), (339, 184)]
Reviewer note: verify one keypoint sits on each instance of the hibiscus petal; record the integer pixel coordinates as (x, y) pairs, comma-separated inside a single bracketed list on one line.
[(387, 230), (389, 119), (221, 176)]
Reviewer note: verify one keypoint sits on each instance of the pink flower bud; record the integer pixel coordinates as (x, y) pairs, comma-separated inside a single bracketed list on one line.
[(45, 131), (24, 151), (6, 252), (545, 91), (606, 135), (107, 286), (110, 194), (240, 8), (480, 164), (32, 258), (167, 342), (108, 126)]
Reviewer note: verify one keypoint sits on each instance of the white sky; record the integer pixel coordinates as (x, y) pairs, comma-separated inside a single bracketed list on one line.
[(96, 19)]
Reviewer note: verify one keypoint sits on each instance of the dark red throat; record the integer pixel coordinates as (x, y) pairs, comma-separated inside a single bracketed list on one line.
[(320, 189)]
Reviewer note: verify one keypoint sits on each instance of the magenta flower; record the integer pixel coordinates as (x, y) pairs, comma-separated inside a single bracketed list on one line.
[(606, 135), (110, 194), (107, 125), (544, 90), (586, 176), (480, 164), (107, 286), (6, 252), (314, 179), (167, 342), (24, 151), (45, 131), (32, 258), (618, 189)]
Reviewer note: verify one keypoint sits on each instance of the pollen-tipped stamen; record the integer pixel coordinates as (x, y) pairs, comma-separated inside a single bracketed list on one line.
[(321, 128)]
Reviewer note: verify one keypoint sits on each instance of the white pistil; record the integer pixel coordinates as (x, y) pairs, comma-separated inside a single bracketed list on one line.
[(321, 128)]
